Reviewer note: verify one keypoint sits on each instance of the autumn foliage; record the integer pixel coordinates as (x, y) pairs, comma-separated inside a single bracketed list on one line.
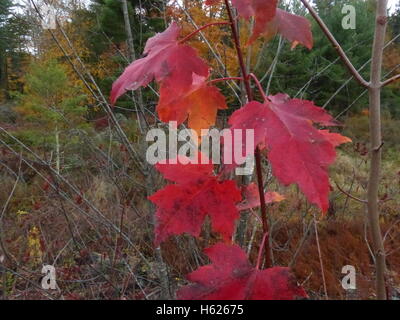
[(285, 129), (195, 194), (232, 277), (298, 152)]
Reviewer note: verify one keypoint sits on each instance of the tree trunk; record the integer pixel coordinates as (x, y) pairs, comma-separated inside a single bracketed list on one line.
[(132, 56), (376, 148)]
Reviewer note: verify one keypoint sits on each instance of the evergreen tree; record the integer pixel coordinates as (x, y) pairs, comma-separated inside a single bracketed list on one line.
[(50, 104), (14, 56), (5, 7), (320, 74), (146, 19)]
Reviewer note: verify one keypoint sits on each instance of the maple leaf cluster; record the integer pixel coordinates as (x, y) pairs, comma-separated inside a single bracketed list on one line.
[(286, 129), (232, 277), (183, 206), (298, 152), (182, 75)]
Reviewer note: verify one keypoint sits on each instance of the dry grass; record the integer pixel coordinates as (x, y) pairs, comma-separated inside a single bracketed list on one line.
[(111, 255)]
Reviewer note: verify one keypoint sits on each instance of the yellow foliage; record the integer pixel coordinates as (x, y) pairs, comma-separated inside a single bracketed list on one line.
[(74, 45), (34, 247), (22, 213), (218, 37), (16, 72)]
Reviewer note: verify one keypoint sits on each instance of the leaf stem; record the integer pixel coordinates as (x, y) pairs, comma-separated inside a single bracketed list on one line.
[(260, 88), (260, 251), (239, 52), (261, 192), (246, 79), (202, 28)]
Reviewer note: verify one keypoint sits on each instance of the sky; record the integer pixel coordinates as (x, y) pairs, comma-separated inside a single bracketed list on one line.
[(392, 4)]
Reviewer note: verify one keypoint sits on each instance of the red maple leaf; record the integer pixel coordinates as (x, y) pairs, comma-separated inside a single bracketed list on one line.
[(165, 57), (298, 152), (335, 138), (183, 206), (263, 12), (199, 104), (294, 28), (232, 277), (252, 198), (182, 174), (270, 20)]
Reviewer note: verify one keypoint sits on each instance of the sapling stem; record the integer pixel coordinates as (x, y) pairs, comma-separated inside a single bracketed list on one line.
[(249, 93)]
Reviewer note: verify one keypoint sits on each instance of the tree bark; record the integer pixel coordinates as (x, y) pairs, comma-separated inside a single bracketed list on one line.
[(132, 56), (376, 148), (128, 30), (374, 86)]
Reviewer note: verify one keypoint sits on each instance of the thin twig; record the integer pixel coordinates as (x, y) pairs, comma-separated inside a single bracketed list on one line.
[(259, 86), (335, 44), (300, 246), (320, 258), (391, 80), (350, 196), (260, 251)]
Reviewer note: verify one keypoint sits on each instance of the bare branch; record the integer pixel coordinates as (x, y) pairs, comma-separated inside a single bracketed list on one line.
[(391, 80), (349, 195), (336, 45)]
